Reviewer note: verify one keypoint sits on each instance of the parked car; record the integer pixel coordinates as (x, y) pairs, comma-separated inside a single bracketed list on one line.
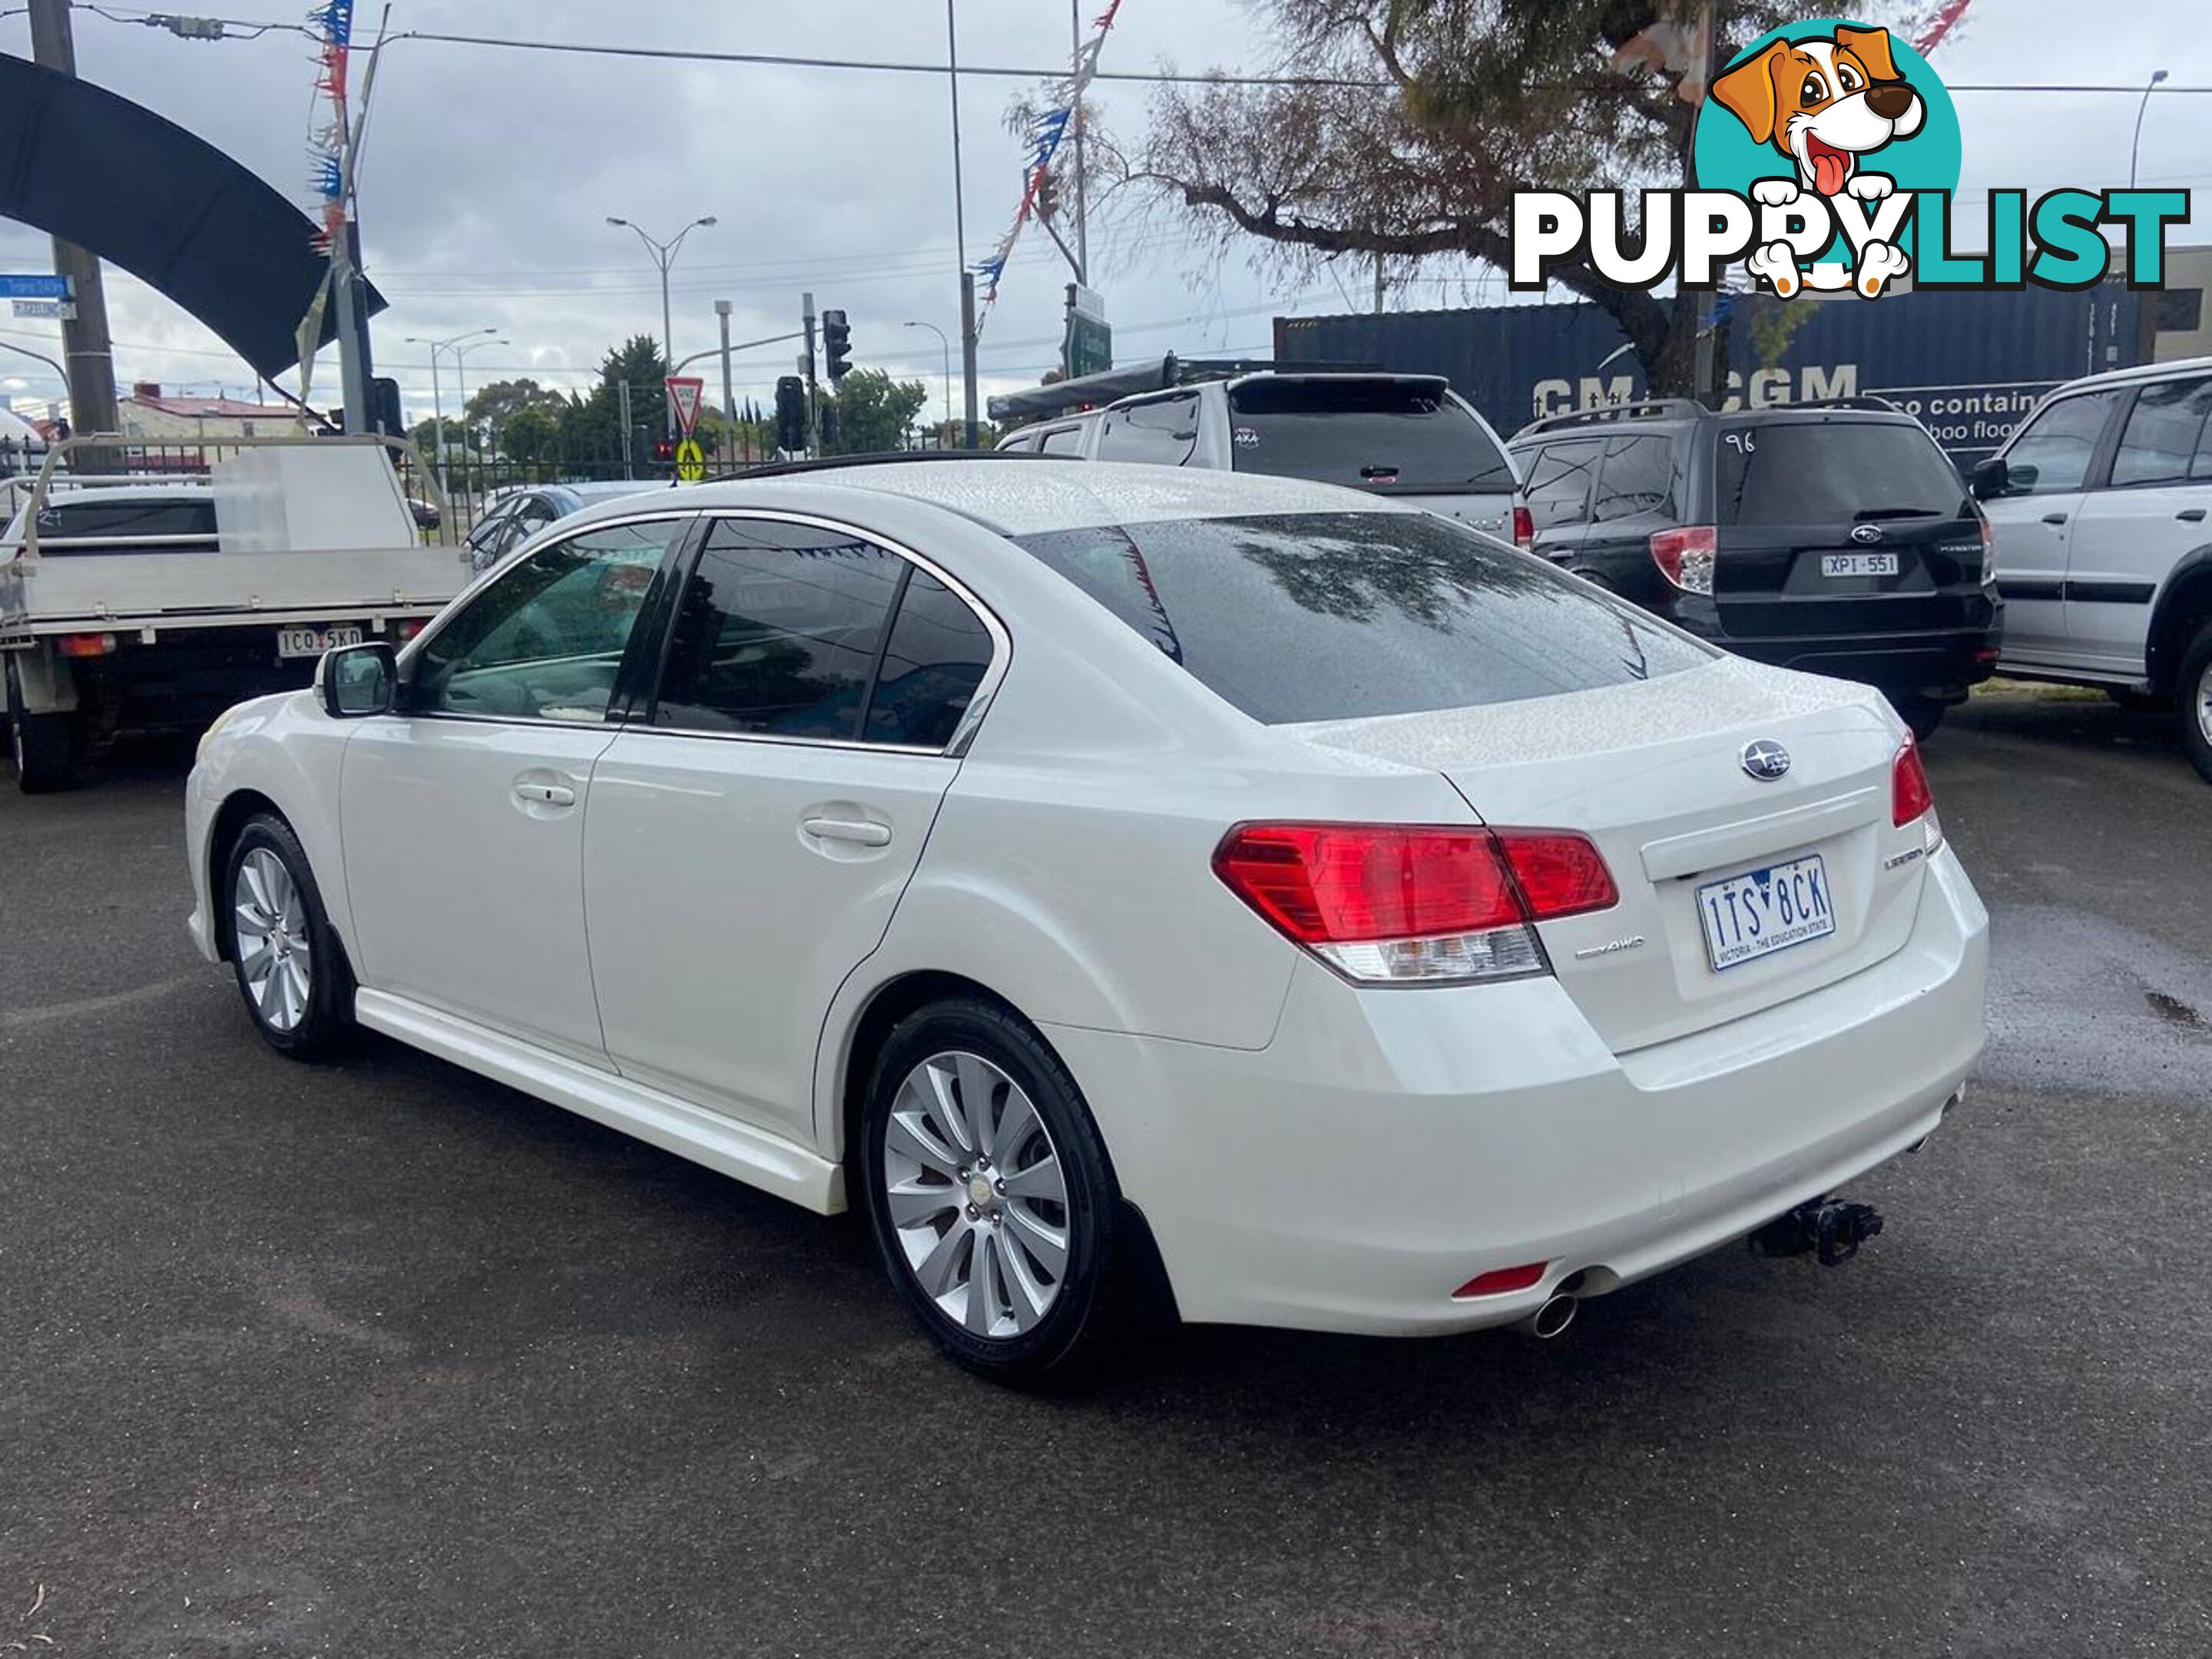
[(1225, 894), (1406, 436), (1831, 536), (2101, 502), (518, 515)]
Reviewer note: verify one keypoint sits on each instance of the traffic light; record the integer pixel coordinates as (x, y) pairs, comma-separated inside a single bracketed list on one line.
[(837, 345), (1047, 196), (830, 433), (791, 414), (664, 452)]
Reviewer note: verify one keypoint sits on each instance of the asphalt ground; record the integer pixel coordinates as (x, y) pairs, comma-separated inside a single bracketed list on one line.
[(380, 1359)]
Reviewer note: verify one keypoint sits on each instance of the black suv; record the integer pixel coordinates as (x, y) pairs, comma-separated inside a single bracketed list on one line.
[(1832, 537)]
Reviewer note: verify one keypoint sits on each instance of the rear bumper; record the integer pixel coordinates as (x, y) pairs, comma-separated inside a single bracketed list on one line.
[(1392, 1145), (1938, 663)]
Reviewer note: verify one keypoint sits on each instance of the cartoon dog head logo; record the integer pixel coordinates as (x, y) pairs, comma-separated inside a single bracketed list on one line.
[(1837, 111)]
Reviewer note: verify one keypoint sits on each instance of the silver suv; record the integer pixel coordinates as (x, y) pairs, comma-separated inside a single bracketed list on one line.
[(2102, 504)]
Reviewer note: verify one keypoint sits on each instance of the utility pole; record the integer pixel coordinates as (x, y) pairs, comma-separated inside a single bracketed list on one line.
[(1707, 371), (621, 403), (960, 228), (729, 401), (1082, 224), (813, 398), (1378, 285), (85, 347)]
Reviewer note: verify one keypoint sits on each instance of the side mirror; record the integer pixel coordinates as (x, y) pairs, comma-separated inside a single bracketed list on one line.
[(356, 680), (1991, 479)]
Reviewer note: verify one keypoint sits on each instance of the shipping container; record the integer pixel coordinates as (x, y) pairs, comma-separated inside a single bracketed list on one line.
[(1970, 366)]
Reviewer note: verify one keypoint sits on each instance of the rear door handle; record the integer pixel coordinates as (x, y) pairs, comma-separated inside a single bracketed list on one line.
[(2054, 518), (859, 832), (545, 794), (2190, 515)]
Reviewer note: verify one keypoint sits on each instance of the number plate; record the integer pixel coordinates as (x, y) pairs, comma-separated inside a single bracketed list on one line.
[(1858, 564), (1749, 916), (313, 641)]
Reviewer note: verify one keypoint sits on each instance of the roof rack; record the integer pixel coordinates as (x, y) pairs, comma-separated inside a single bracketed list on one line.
[(1863, 400), (1083, 392), (1646, 409), (888, 457)]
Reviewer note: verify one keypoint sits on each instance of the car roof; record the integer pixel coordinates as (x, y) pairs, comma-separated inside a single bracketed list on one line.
[(601, 489), (1028, 496), (2141, 371)]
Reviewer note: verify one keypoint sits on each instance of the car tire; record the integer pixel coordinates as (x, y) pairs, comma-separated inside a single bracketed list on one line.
[(1000, 1231), (2194, 694), (292, 971), (42, 748), (1922, 714)]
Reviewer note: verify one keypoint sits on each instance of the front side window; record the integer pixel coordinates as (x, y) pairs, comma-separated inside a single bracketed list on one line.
[(1559, 483), (1339, 616), (545, 641), (2165, 432), (1163, 431), (2053, 453), (777, 631)]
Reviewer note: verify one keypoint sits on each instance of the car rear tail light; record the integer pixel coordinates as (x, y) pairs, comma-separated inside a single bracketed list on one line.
[(406, 630), (1395, 904), (1524, 529), (1685, 556), (1910, 799), (1988, 550), (1503, 1281), (87, 645)]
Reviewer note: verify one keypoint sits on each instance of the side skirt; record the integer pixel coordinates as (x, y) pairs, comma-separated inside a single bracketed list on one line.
[(736, 1150)]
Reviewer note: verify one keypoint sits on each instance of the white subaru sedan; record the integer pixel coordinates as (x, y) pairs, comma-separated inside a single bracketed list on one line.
[(1130, 887)]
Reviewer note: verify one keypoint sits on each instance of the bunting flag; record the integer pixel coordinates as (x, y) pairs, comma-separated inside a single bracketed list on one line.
[(1062, 99), (1945, 22), (332, 22)]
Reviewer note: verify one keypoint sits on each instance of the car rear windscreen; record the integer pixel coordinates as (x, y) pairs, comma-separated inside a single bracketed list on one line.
[(1804, 472), (1340, 616), (1387, 435), (69, 519)]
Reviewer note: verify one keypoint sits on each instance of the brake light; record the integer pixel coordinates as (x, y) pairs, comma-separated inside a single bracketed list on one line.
[(1685, 556), (407, 628), (1385, 903), (1909, 797), (87, 645), (1988, 550), (1524, 528)]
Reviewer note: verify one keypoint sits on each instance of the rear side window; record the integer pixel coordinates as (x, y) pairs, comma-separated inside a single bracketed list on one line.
[(1637, 476), (1561, 479), (1065, 440), (1339, 616), (2166, 439), (1163, 432), (936, 656), (1370, 434), (104, 519), (1823, 472), (777, 632)]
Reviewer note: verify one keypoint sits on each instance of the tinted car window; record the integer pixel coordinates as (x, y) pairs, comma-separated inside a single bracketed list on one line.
[(1804, 472), (2165, 432), (2051, 454), (1637, 476), (1560, 478), (1369, 434), (1165, 432), (98, 518), (937, 652), (544, 641), (777, 631), (1318, 616), (1068, 441)]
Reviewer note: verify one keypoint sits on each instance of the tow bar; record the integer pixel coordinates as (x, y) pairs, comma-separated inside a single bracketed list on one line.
[(1828, 1228)]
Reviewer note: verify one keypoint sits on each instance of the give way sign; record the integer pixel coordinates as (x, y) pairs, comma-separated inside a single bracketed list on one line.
[(684, 394)]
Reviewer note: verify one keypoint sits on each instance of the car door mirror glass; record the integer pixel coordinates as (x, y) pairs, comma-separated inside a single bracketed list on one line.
[(357, 680), (2021, 480)]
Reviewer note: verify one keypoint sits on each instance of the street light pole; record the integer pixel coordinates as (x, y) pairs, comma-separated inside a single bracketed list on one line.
[(664, 255), (2134, 149), (461, 386), (947, 347), (729, 399), (960, 229)]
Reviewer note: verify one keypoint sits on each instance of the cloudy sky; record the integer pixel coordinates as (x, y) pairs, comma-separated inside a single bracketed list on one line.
[(489, 174)]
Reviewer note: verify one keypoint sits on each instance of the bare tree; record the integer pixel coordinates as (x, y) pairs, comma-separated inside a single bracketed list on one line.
[(1437, 111)]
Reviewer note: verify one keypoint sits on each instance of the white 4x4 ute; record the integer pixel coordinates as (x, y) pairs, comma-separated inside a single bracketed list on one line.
[(2102, 503)]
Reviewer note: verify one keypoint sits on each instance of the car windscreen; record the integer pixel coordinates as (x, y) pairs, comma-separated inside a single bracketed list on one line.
[(1805, 472), (1404, 435), (1340, 616), (66, 521)]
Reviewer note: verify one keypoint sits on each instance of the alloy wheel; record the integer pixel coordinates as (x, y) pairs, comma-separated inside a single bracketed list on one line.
[(2203, 701), (976, 1195), (275, 954)]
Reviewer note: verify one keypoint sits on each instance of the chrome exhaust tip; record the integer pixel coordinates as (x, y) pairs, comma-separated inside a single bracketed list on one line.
[(1552, 1319)]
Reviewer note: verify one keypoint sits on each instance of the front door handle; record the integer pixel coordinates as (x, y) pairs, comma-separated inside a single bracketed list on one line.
[(2190, 515), (545, 794), (2054, 518), (859, 832)]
